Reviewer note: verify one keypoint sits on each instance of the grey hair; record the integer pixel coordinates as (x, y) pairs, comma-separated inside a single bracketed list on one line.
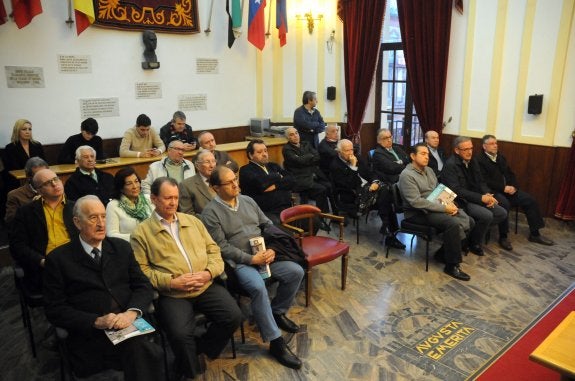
[(341, 142), (84, 148), (287, 131), (34, 162), (79, 204), (178, 115), (460, 139)]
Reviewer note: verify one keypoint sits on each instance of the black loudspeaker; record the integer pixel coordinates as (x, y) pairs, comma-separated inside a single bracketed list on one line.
[(535, 104), (331, 93)]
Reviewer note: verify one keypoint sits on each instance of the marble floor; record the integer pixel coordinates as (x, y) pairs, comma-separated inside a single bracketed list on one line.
[(394, 321)]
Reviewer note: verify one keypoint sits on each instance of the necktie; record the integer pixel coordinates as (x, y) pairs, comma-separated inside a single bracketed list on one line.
[(97, 255), (394, 154)]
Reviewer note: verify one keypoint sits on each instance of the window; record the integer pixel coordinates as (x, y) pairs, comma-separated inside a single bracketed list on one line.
[(396, 110)]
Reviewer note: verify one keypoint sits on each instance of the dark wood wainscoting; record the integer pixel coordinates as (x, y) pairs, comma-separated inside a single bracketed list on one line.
[(539, 169)]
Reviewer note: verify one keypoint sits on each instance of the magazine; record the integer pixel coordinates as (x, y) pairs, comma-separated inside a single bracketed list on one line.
[(139, 327), (442, 195), (258, 244)]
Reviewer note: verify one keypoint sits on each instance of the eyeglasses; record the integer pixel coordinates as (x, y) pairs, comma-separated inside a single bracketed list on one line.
[(235, 181), (53, 182), (465, 149), (386, 138), (207, 162), (179, 149)]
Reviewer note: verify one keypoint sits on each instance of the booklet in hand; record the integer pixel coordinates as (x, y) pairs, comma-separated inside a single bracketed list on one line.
[(442, 195), (139, 327)]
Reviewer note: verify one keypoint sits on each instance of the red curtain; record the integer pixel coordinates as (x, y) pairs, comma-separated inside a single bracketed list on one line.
[(565, 209), (425, 28), (362, 25)]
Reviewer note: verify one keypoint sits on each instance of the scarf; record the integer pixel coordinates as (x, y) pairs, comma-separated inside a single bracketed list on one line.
[(140, 210)]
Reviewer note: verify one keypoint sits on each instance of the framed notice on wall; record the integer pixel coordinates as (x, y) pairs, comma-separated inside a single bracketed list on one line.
[(175, 16)]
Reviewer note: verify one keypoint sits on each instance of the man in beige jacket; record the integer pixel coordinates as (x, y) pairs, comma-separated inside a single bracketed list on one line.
[(180, 258)]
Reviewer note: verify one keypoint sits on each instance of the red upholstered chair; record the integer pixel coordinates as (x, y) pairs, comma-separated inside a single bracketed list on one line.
[(317, 249)]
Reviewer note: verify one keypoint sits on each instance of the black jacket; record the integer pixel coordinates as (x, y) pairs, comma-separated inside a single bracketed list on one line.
[(68, 153), (302, 162), (79, 185), (29, 239), (496, 174), (327, 152), (167, 135), (466, 182), (433, 162), (254, 181), (385, 166)]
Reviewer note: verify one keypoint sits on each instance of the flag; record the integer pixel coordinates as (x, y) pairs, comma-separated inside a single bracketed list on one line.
[(24, 11), (281, 21), (234, 21), (256, 23), (85, 15)]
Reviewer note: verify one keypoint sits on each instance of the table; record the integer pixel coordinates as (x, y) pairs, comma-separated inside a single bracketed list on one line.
[(237, 151), (556, 351)]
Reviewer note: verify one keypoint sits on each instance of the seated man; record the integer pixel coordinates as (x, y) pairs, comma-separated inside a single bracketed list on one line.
[(436, 154), (177, 129), (501, 180), (41, 226), (462, 175), (416, 182), (87, 137), (301, 160), (141, 140), (232, 219), (326, 148), (195, 191), (26, 193), (208, 142), (92, 284), (177, 254), (174, 166), (87, 179), (388, 159), (267, 183), (349, 176)]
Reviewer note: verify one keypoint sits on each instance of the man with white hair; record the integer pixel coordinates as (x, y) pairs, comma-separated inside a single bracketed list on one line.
[(87, 179), (208, 142), (195, 191)]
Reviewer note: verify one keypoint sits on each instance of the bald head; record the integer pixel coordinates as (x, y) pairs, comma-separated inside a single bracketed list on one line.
[(432, 139)]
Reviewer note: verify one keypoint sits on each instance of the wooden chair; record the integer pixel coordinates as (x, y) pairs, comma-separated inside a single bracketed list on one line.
[(425, 232), (317, 249)]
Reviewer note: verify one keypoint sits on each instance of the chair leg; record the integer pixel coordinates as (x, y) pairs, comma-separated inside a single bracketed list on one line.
[(344, 259), (28, 324), (357, 230), (516, 218), (233, 343), (427, 255), (308, 285)]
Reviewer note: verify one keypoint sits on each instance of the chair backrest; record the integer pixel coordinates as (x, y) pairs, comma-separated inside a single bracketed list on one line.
[(300, 212), (397, 201)]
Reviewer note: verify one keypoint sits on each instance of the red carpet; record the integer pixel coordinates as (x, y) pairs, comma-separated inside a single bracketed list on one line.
[(512, 362)]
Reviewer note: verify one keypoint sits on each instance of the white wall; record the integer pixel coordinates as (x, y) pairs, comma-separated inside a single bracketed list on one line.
[(502, 51), (249, 83)]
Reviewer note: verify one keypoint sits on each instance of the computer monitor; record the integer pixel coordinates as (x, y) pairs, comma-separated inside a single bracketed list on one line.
[(258, 126)]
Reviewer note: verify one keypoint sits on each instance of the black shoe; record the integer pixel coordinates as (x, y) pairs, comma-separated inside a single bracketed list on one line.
[(283, 354), (477, 250), (394, 242), (505, 244), (286, 324), (541, 240), (439, 255), (455, 271)]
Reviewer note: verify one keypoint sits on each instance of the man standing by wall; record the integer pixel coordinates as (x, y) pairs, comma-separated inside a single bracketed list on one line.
[(307, 119)]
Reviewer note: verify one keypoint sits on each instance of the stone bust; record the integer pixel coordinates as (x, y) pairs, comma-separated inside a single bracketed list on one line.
[(150, 42)]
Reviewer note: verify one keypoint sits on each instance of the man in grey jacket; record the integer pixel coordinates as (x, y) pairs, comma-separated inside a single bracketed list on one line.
[(416, 182)]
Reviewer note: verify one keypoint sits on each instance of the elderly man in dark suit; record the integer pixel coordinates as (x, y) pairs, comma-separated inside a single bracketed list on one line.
[(87, 179), (349, 175), (195, 191), (436, 155), (501, 180), (92, 284), (41, 226), (389, 159)]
